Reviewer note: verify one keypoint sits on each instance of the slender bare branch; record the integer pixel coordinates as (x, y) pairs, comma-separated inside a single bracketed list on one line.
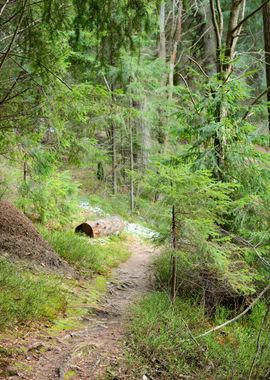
[(264, 92), (27, 72), (6, 96), (241, 240), (14, 35), (263, 292), (221, 19), (34, 23), (17, 94), (215, 22), (190, 94), (199, 66), (250, 15), (3, 7), (11, 17), (56, 76), (107, 84)]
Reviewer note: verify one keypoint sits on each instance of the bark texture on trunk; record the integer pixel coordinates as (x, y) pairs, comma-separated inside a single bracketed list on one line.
[(146, 142), (114, 162), (174, 245), (176, 33), (266, 29), (209, 41), (132, 196), (103, 227), (162, 33)]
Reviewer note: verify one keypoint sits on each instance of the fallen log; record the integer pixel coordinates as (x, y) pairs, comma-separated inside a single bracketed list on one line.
[(103, 227)]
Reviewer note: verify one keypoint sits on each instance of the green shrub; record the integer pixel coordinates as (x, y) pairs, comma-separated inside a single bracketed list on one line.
[(210, 266), (165, 337), (49, 198), (213, 277), (25, 298), (48, 193), (90, 255)]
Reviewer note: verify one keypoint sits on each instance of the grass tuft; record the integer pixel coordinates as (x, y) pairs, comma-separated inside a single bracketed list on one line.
[(24, 298), (89, 255), (162, 337)]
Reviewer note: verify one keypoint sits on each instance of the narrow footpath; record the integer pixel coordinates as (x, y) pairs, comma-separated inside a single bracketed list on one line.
[(98, 346)]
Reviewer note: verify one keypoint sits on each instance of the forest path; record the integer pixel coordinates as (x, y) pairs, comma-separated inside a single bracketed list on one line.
[(89, 352)]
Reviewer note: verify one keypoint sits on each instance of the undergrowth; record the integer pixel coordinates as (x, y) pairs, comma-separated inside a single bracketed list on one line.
[(216, 276), (95, 256), (28, 297), (164, 338), (25, 298), (146, 212)]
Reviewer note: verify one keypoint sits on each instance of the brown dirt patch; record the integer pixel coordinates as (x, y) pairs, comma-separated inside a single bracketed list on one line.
[(98, 347), (19, 239)]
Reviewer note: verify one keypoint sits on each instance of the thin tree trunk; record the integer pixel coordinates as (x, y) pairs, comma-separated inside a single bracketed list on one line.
[(132, 200), (173, 284), (162, 54), (114, 163), (6, 53), (209, 41), (224, 64), (25, 171), (266, 29), (233, 33), (253, 303), (175, 43), (145, 133), (113, 137)]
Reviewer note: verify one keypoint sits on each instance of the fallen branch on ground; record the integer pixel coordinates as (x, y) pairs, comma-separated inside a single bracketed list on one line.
[(265, 290)]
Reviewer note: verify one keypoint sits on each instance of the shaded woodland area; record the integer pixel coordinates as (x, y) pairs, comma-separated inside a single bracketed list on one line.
[(156, 111)]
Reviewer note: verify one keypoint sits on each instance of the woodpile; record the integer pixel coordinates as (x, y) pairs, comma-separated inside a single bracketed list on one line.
[(103, 227)]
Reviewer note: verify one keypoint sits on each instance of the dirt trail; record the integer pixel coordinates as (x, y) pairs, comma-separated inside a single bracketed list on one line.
[(88, 353)]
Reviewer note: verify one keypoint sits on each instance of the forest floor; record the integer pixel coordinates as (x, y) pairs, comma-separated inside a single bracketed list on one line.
[(91, 351)]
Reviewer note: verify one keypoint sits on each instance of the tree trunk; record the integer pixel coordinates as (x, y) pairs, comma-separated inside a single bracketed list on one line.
[(145, 133), (209, 41), (266, 29), (237, 14), (100, 171), (25, 171), (162, 34), (173, 283), (132, 200), (224, 64), (103, 227), (112, 136), (175, 42), (114, 163)]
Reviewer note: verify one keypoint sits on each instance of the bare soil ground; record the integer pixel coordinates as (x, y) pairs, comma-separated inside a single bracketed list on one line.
[(19, 239), (90, 352)]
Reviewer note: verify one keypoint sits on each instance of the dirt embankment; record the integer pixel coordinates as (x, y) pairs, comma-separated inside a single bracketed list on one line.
[(19, 239)]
